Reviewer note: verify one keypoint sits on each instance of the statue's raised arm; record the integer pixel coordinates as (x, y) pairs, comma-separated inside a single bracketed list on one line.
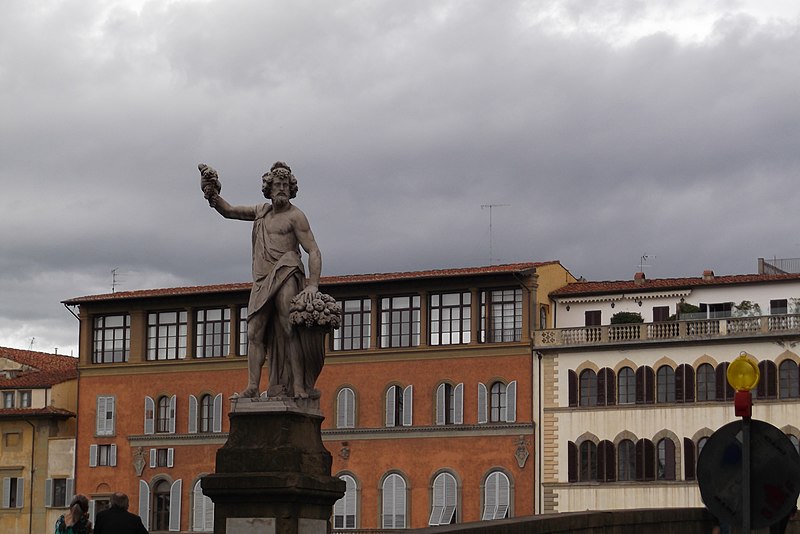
[(211, 186)]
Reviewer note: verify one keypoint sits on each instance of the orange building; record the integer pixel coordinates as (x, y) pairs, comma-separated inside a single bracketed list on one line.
[(427, 390)]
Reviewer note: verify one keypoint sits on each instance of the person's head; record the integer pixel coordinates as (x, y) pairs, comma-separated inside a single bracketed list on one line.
[(279, 182), (79, 506), (119, 500)]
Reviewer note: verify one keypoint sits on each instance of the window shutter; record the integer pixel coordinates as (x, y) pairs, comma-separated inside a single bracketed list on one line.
[(601, 388), (640, 460), (483, 401), (208, 508), (91, 510), (350, 502), (170, 457), (689, 382), (511, 402), (440, 405), (458, 400), (175, 505), (408, 405), (572, 379), (390, 400), (48, 493), (101, 416), (144, 500), (198, 512), (611, 387), (92, 455), (350, 411), (112, 456), (20, 492), (111, 415), (70, 491), (690, 460), (152, 458), (172, 402), (679, 383), (6, 492), (341, 410), (217, 423), (149, 415), (438, 501), (572, 462), (490, 497), (192, 427), (640, 385), (611, 462)]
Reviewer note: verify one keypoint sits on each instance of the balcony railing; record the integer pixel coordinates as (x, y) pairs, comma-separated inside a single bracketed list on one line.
[(669, 331)]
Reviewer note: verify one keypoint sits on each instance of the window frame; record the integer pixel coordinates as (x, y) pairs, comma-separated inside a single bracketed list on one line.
[(355, 332), (400, 324), (499, 309), (395, 503), (345, 510), (345, 408), (441, 318), (444, 500), (215, 343), (167, 339), (119, 338)]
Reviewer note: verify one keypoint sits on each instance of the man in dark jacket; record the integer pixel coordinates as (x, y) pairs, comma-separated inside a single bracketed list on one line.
[(117, 519)]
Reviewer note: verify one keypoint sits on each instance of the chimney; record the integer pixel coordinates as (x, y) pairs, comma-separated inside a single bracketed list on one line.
[(708, 275), (638, 279)]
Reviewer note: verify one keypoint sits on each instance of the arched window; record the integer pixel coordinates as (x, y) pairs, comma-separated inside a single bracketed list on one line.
[(789, 380), (588, 382), (161, 506), (768, 384), (706, 383), (496, 496), (345, 408), (626, 386), (399, 406), (626, 460), (684, 383), (203, 511), (443, 507), (606, 464), (645, 385), (344, 510), (394, 502), (665, 384), (206, 413), (449, 404), (498, 402), (588, 459), (666, 459), (724, 390), (606, 387), (163, 415)]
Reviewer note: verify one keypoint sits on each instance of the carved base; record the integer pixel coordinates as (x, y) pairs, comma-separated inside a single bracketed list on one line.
[(273, 473)]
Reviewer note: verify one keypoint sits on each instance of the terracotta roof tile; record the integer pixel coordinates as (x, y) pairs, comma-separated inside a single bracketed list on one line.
[(48, 369), (324, 281), (49, 411), (661, 284)]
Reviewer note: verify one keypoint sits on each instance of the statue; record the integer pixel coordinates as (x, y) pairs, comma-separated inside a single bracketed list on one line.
[(286, 322)]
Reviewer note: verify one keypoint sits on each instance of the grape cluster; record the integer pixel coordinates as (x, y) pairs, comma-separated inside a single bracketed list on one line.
[(323, 310)]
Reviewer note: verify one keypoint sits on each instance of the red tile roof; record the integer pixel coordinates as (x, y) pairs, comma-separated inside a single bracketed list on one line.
[(24, 413), (324, 281), (47, 369), (662, 284)]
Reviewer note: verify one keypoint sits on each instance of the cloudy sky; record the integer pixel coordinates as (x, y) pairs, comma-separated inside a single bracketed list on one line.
[(607, 130)]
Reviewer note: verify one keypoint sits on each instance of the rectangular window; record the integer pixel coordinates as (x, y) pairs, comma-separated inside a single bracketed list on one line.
[(25, 398), (162, 457), (660, 314), (717, 310), (111, 339), (778, 307), (243, 343), (56, 490), (13, 491), (354, 333), (501, 315), (107, 455), (8, 399), (450, 318), (593, 317), (166, 335), (105, 416), (213, 332), (400, 317)]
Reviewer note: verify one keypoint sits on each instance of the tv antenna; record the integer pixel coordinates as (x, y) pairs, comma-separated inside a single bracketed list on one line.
[(115, 279), (30, 345), (643, 262), (492, 206)]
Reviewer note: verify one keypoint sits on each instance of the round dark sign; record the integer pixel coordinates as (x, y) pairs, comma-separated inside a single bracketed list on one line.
[(774, 474)]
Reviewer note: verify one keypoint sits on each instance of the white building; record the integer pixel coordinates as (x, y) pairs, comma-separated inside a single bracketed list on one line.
[(624, 409)]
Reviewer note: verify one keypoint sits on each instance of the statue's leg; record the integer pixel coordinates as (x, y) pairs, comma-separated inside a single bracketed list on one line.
[(294, 355), (256, 351)]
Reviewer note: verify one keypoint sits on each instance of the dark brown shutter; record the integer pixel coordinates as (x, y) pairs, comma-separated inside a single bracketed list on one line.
[(649, 460), (611, 387), (690, 462), (573, 388), (669, 467), (719, 381), (640, 460), (601, 387), (640, 397), (572, 462), (689, 383), (679, 383)]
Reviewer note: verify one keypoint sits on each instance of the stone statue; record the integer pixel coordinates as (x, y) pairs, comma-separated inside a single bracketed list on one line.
[(286, 321)]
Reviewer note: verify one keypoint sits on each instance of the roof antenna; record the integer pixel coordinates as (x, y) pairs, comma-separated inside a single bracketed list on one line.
[(642, 262), (490, 206), (114, 279), (30, 345)]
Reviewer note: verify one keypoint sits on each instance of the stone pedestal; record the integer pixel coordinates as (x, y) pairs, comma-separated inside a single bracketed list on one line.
[(273, 475)]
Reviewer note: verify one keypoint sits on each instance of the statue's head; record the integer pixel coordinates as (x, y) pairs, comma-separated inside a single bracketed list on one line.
[(279, 169)]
